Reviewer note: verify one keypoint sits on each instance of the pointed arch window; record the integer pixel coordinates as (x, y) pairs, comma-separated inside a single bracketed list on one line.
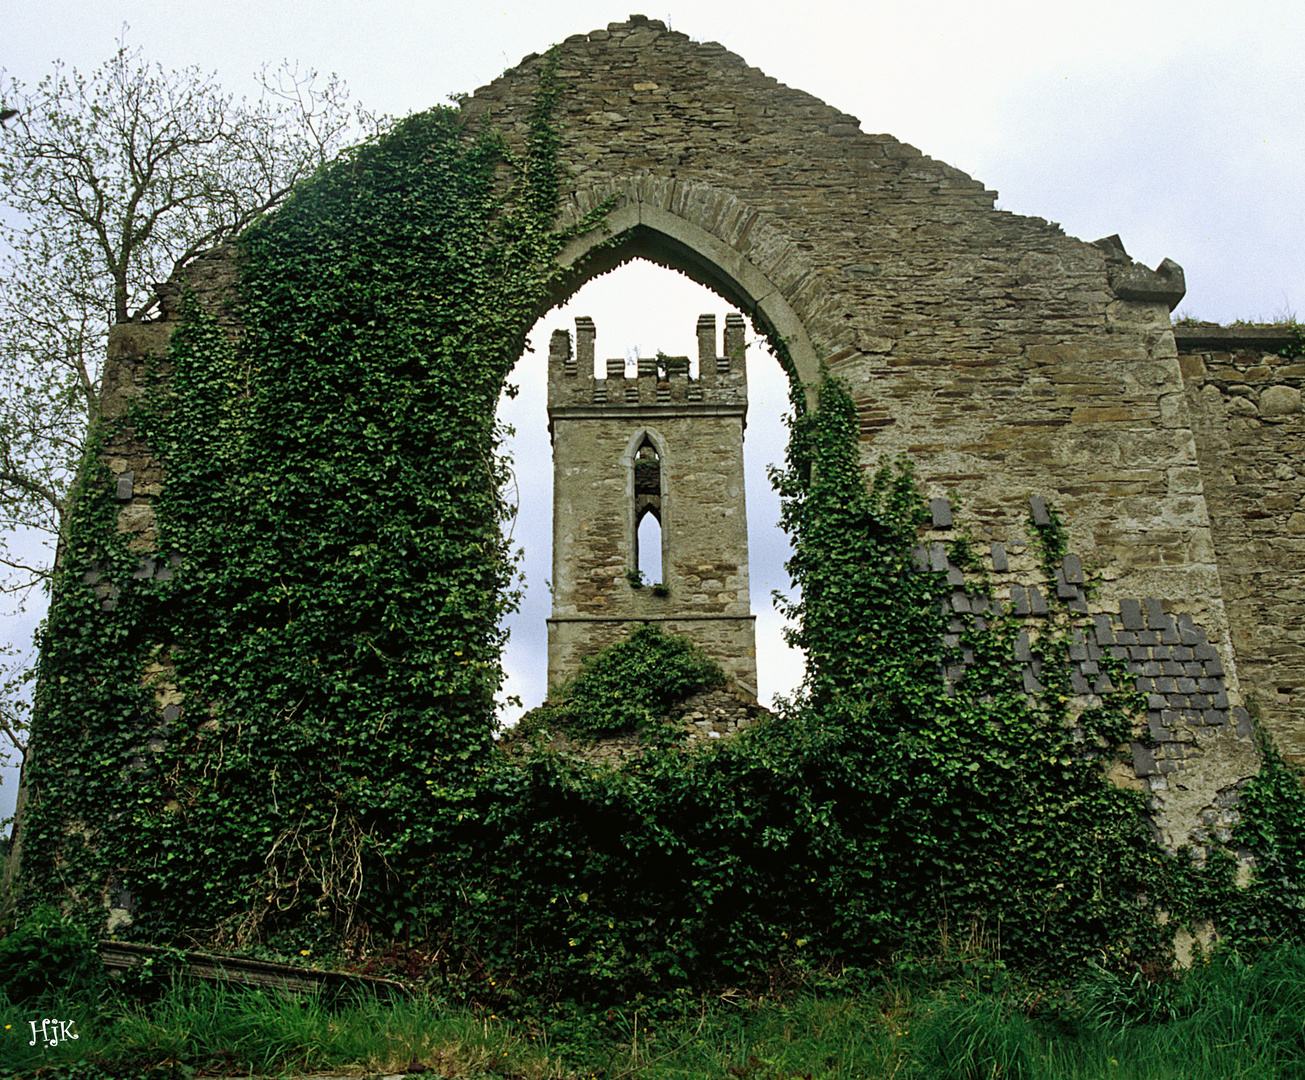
[(648, 511)]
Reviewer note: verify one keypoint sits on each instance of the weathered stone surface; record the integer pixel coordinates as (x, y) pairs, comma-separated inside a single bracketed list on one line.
[(1165, 284), (1005, 358), (1250, 459), (1279, 400)]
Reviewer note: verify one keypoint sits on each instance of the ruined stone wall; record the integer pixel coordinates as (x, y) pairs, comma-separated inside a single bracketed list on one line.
[(1005, 358), (1245, 401), (137, 360)]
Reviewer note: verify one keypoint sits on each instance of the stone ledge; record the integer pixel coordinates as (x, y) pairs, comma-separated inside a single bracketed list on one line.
[(1201, 336), (122, 956)]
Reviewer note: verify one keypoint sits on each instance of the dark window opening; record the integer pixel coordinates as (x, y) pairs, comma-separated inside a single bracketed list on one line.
[(648, 511)]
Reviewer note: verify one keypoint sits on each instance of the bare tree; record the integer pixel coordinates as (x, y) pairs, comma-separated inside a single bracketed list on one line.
[(109, 183)]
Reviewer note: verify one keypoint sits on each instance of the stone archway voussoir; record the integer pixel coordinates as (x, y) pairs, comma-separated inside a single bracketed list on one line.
[(651, 203)]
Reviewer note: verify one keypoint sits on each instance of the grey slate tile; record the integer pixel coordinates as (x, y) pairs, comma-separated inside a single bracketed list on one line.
[(999, 563), (1019, 598), (1022, 651), (1155, 613), (1130, 612), (1190, 633), (1144, 763)]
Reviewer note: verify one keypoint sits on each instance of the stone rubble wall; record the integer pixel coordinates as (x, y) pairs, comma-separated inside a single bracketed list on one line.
[(1002, 356), (136, 364), (1245, 398), (137, 360)]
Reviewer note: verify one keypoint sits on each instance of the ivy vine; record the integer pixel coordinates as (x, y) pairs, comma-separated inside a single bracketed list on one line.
[(333, 492), (627, 685)]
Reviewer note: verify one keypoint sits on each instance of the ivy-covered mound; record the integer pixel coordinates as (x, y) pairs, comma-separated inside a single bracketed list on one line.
[(625, 686), (334, 624)]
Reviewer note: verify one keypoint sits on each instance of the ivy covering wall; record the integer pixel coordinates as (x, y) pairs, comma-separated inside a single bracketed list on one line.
[(332, 492), (332, 617)]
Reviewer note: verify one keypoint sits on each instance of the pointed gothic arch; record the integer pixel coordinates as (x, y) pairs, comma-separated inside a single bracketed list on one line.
[(643, 228)]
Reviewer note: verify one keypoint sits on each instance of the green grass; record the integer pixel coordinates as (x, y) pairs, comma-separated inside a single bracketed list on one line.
[(1284, 316), (1225, 1020), (227, 1030)]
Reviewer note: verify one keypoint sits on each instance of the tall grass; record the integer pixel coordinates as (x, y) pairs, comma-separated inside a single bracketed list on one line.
[(267, 1033), (1225, 1020)]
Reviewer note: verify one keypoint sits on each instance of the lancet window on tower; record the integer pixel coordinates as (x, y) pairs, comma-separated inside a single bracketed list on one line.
[(648, 511)]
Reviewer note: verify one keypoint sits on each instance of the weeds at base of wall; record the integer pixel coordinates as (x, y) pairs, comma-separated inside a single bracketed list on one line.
[(1227, 1018)]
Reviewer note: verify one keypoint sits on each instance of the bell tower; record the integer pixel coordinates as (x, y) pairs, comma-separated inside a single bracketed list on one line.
[(657, 456)]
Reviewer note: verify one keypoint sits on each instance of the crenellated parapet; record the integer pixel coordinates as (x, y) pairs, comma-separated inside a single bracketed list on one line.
[(655, 380)]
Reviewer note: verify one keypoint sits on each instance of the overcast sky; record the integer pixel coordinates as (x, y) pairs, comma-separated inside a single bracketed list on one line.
[(1178, 125)]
